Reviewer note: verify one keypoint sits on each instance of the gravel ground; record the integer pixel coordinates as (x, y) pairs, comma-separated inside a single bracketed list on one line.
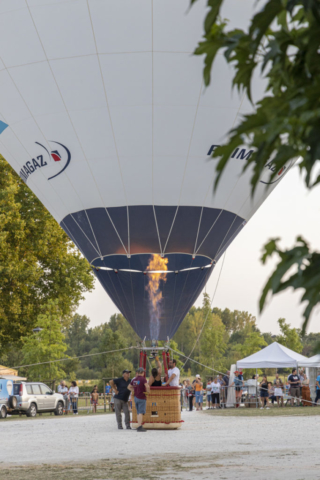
[(210, 446)]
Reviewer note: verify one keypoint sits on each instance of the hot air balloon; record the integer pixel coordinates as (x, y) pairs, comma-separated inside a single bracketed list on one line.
[(104, 115)]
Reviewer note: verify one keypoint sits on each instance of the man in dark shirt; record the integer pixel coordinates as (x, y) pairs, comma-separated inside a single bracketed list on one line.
[(294, 382), (139, 386), (120, 387), (224, 390)]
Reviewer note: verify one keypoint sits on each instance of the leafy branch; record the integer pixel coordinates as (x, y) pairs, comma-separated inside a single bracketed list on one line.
[(282, 43)]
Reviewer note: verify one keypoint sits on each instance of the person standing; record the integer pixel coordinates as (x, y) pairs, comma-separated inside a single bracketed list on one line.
[(238, 383), (63, 389), (294, 382), (108, 388), (61, 385), (226, 380), (317, 390), (139, 386), (209, 397), (305, 392), (121, 397), (215, 392), (190, 394), (155, 377), (74, 395), (264, 395), (198, 386), (174, 374), (95, 399)]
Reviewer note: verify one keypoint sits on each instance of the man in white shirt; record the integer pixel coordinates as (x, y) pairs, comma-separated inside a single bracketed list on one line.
[(62, 385), (64, 391), (174, 374)]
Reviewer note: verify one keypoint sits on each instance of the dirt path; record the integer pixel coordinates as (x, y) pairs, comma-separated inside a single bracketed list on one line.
[(207, 446)]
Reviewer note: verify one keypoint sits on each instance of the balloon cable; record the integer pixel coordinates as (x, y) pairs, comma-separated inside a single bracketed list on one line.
[(205, 320)]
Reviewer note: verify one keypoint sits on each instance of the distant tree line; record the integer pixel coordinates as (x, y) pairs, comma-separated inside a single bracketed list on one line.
[(227, 336)]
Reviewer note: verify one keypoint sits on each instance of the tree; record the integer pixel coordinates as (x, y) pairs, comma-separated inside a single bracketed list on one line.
[(112, 363), (289, 337), (38, 262), (76, 333), (47, 345), (252, 344), (283, 42)]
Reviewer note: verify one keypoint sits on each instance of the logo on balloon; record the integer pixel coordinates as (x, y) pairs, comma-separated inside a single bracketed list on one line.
[(245, 154), (55, 161)]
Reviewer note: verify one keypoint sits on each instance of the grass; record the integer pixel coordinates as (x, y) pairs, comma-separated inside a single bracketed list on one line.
[(273, 412), (48, 416)]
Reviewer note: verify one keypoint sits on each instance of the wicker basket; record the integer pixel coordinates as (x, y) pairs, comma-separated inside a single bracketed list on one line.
[(163, 409)]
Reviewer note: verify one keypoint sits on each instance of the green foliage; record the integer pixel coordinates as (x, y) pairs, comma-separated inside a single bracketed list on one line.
[(289, 337), (310, 344), (306, 274), (282, 42), (253, 343), (46, 345), (38, 262)]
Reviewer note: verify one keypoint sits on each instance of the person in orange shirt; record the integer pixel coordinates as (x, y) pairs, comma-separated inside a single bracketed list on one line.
[(198, 386)]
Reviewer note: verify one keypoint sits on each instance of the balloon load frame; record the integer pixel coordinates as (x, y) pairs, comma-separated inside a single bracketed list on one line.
[(163, 410)]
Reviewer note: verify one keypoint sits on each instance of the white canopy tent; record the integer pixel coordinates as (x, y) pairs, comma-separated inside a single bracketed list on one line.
[(273, 356), (312, 362)]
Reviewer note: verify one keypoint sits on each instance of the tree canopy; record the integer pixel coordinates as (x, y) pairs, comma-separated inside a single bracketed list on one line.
[(282, 42), (38, 262)]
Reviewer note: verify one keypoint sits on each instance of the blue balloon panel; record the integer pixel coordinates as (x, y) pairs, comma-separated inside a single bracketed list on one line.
[(190, 238)]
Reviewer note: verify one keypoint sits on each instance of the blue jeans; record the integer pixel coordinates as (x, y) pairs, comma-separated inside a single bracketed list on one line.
[(199, 397), (75, 405)]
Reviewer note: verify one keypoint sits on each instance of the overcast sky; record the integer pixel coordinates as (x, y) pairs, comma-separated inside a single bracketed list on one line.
[(290, 210)]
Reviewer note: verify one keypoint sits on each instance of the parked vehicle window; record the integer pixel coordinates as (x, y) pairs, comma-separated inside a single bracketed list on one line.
[(29, 389), (45, 389), (36, 389), (16, 387)]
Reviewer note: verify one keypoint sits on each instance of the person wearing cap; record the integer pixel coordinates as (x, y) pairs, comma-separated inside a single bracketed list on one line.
[(120, 387), (140, 386)]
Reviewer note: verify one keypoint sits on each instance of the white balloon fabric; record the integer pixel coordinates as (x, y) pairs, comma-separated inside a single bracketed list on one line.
[(104, 115)]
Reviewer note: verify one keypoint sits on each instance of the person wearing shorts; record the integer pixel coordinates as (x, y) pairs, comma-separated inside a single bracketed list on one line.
[(294, 382), (139, 386)]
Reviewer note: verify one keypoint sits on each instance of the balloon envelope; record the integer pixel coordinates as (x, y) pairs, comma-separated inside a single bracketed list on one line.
[(105, 117)]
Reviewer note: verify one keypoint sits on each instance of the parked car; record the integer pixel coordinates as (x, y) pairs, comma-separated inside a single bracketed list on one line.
[(30, 398)]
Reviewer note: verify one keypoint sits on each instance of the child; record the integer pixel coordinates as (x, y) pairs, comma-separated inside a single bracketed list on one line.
[(278, 392), (95, 399)]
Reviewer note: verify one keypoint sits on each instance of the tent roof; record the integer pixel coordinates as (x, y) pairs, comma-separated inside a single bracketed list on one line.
[(273, 356), (311, 362), (14, 378)]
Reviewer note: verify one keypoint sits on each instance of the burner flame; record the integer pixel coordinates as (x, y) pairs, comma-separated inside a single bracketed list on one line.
[(156, 262)]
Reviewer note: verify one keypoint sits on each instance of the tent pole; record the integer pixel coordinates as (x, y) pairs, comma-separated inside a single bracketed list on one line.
[(257, 404)]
